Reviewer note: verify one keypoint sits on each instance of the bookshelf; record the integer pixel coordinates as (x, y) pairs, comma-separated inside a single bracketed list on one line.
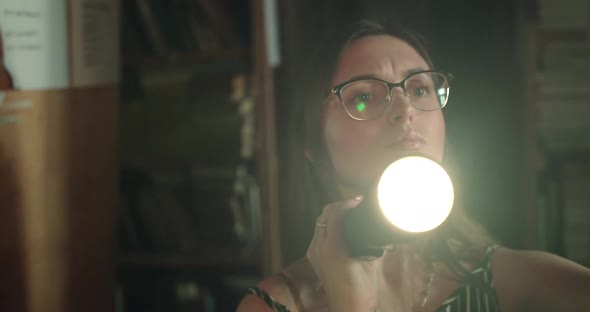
[(555, 50), (197, 204)]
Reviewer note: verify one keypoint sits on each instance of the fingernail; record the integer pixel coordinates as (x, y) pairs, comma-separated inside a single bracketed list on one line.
[(356, 200), (353, 202)]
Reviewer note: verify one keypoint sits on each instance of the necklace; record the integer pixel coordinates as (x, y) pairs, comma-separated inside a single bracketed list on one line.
[(428, 287)]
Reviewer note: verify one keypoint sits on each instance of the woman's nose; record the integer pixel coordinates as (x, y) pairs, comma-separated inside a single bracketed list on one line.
[(401, 110)]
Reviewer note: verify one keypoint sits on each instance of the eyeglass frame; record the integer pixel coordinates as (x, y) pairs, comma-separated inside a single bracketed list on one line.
[(337, 90)]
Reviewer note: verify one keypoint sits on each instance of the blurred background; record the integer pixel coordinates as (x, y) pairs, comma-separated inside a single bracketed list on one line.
[(207, 148)]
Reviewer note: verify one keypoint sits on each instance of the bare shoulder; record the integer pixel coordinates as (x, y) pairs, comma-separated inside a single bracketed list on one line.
[(284, 288), (531, 266), (276, 287), (540, 280)]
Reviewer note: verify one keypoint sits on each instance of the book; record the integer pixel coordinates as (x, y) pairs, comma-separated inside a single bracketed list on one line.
[(151, 26), (217, 12), (575, 178)]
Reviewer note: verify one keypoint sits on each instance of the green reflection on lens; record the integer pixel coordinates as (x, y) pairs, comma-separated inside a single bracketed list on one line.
[(361, 107)]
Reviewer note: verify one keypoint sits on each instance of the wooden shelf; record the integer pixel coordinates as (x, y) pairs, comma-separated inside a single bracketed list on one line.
[(574, 34), (198, 169), (231, 58), (569, 154), (210, 260)]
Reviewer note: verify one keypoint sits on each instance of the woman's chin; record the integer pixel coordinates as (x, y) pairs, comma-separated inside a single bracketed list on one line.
[(423, 152)]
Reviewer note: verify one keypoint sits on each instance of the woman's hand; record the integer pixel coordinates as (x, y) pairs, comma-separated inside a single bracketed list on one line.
[(350, 284)]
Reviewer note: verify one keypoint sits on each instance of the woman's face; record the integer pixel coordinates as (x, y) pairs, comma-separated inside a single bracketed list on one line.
[(361, 150)]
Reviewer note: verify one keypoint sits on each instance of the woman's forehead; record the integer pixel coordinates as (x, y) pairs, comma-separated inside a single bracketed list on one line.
[(382, 56)]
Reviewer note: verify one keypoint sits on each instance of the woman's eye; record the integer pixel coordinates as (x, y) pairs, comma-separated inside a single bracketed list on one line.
[(363, 97), (361, 102), (420, 91)]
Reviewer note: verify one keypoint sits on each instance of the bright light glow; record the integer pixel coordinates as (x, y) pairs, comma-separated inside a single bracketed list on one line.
[(416, 194)]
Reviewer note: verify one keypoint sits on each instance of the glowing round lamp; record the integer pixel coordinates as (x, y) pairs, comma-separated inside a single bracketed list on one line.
[(413, 195)]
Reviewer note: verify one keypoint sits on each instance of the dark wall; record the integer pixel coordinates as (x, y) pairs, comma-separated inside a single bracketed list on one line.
[(476, 41)]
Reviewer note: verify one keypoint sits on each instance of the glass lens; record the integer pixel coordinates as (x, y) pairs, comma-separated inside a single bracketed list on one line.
[(365, 99), (427, 91)]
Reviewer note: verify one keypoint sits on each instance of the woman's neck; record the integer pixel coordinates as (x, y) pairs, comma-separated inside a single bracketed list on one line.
[(405, 275)]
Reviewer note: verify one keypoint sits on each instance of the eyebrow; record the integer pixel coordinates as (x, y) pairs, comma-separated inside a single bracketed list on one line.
[(405, 73)]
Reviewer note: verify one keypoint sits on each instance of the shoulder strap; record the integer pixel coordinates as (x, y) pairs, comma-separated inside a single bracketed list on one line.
[(284, 275), (486, 269), (490, 250), (275, 306), (488, 254)]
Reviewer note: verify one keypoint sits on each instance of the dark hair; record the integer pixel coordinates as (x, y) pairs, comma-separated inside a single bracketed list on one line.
[(365, 28), (314, 179)]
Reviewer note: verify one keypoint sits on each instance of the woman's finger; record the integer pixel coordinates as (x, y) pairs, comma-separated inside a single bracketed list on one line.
[(320, 229), (337, 215), (327, 233)]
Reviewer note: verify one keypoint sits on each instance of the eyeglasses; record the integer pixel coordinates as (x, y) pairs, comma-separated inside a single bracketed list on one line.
[(368, 98)]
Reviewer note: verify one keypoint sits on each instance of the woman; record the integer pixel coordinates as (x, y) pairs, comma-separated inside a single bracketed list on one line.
[(384, 104)]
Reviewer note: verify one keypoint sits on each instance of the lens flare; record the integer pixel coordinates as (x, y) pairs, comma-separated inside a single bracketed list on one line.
[(361, 107), (415, 194)]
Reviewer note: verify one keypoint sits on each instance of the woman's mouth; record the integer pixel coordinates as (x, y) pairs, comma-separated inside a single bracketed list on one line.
[(410, 141)]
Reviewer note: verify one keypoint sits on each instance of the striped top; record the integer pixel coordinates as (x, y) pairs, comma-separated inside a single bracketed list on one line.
[(466, 297)]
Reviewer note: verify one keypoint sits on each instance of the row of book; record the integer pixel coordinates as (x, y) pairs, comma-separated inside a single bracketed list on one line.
[(163, 28), (556, 15), (563, 94), (564, 214), (576, 212)]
